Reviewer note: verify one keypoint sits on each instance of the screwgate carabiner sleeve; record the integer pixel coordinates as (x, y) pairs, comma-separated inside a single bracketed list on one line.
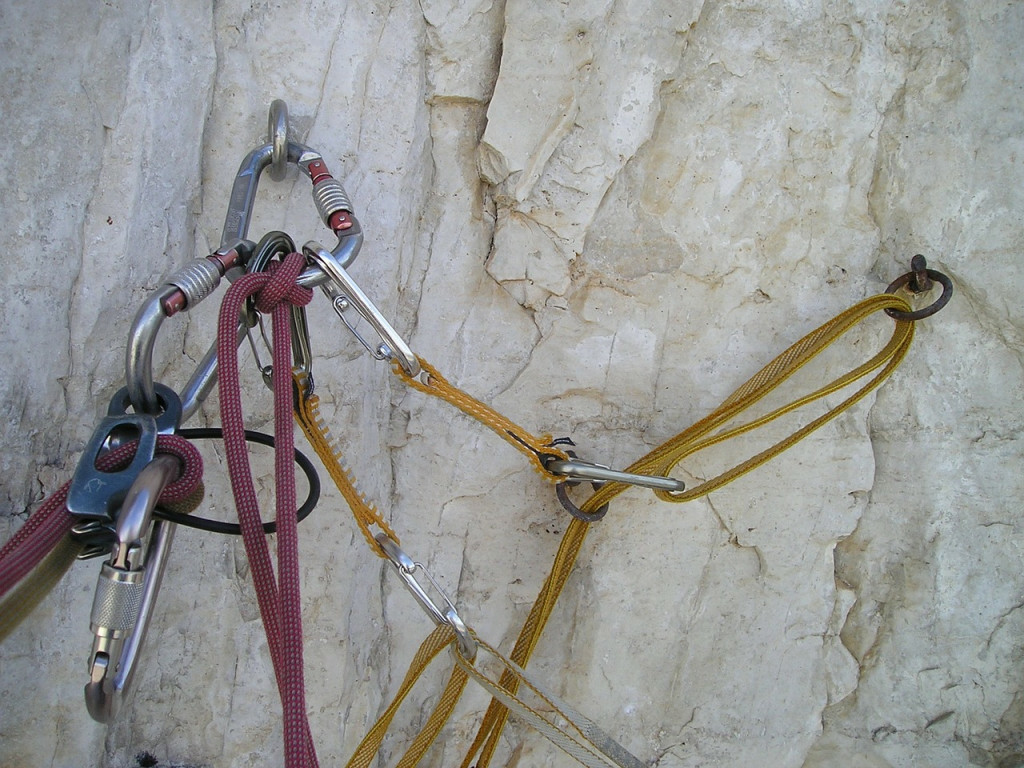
[(197, 280)]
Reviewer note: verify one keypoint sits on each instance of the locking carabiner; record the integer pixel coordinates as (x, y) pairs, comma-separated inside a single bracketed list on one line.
[(329, 196), (196, 281), (126, 589)]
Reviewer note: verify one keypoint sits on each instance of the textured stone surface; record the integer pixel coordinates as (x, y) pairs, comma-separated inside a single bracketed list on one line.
[(601, 217)]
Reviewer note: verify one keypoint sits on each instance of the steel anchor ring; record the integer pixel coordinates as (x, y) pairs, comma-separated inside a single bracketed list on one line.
[(913, 280), (572, 509), (277, 130)]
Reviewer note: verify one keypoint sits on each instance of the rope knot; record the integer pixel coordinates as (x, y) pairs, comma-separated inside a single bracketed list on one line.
[(279, 284)]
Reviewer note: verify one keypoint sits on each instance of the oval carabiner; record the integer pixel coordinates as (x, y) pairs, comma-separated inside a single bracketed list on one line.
[(278, 244), (406, 568)]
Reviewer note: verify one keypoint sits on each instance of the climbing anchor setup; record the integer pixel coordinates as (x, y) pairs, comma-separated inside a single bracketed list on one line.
[(140, 474)]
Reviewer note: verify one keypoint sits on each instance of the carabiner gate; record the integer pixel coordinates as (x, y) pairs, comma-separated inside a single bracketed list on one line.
[(346, 295)]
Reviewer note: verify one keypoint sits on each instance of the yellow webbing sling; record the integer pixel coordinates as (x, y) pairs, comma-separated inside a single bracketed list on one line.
[(665, 457), (708, 431), (307, 416)]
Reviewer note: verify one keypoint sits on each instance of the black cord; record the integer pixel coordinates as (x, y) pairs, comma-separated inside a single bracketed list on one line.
[(234, 529)]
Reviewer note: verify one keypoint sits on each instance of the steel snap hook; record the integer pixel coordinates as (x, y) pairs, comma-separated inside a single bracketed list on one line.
[(577, 469)]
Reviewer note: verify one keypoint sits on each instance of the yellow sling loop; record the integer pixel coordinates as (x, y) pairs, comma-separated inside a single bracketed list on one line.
[(707, 432), (665, 457), (534, 448), (436, 641)]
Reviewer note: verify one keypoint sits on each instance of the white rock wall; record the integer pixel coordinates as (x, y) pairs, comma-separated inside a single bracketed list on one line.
[(601, 217)]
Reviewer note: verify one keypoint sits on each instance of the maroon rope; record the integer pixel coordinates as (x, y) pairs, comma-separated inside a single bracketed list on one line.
[(52, 521), (278, 597)]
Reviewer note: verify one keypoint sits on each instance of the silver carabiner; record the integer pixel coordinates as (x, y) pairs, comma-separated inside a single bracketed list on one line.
[(577, 469), (126, 590), (346, 295), (329, 196), (407, 568), (197, 280), (279, 244)]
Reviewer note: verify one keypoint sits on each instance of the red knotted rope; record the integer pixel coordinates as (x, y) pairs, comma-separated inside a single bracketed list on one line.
[(52, 521), (278, 598)]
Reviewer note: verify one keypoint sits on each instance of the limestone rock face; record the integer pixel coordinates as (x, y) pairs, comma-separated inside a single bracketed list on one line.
[(601, 218)]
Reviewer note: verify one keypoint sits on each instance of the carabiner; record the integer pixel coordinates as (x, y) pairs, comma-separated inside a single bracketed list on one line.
[(406, 568), (577, 469), (345, 295), (126, 590), (329, 196), (197, 280)]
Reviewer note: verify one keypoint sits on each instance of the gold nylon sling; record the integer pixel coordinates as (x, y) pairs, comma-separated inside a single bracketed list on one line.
[(307, 416), (534, 448), (436, 641), (663, 459), (659, 461)]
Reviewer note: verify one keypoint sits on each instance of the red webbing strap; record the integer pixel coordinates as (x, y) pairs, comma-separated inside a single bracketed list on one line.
[(52, 521), (278, 597)]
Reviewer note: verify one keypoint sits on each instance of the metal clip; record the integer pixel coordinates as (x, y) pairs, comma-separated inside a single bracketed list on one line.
[(345, 295), (407, 568), (126, 590), (329, 196), (279, 244), (199, 279), (577, 469)]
